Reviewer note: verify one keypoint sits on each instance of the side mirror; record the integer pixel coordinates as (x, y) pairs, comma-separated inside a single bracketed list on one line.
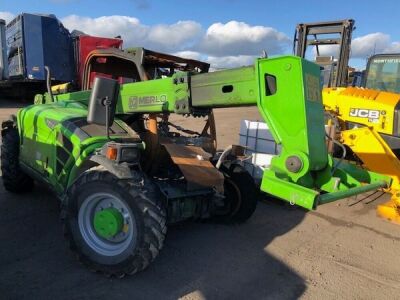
[(103, 101)]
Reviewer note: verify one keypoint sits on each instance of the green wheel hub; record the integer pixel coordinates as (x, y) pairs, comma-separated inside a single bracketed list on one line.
[(108, 222)]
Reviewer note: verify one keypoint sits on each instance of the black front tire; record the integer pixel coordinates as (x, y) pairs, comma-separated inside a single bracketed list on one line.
[(241, 194), (144, 205), (14, 179)]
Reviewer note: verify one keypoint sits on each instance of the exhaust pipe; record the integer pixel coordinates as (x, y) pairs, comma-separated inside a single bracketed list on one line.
[(3, 51)]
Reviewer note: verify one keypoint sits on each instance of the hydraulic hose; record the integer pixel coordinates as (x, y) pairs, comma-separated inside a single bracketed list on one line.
[(223, 156), (336, 143)]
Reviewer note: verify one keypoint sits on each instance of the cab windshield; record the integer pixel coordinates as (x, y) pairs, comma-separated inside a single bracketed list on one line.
[(384, 74)]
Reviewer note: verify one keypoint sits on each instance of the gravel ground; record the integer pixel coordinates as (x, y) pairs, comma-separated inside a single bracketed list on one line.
[(282, 252)]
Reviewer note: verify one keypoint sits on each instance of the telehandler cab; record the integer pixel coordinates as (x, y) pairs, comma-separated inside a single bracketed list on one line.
[(123, 171)]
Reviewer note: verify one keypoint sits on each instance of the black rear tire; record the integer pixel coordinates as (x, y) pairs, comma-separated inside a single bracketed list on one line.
[(14, 179), (145, 207), (241, 194)]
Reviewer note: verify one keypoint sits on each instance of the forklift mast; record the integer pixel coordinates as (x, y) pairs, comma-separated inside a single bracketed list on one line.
[(322, 34)]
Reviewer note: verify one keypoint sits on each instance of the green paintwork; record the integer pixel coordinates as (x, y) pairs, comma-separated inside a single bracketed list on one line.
[(157, 95), (42, 128), (294, 114), (108, 222), (207, 90)]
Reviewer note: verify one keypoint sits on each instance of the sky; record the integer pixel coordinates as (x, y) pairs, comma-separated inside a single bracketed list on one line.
[(226, 33)]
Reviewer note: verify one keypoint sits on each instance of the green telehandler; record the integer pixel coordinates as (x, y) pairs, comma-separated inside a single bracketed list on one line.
[(123, 171)]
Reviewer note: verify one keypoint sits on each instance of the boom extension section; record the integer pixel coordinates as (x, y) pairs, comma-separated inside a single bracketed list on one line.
[(287, 93)]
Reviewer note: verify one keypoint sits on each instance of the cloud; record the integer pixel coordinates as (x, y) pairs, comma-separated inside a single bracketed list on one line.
[(189, 54), (239, 38), (106, 26), (218, 62), (227, 40), (325, 50), (226, 62), (179, 35), (162, 37), (394, 47), (7, 16), (365, 46), (222, 45)]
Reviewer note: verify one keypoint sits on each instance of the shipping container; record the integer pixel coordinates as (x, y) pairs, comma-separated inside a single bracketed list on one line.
[(35, 41)]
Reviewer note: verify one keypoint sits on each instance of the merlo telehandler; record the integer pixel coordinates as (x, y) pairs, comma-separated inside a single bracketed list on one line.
[(123, 171)]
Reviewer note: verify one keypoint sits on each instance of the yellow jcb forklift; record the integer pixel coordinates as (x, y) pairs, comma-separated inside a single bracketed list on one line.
[(365, 120)]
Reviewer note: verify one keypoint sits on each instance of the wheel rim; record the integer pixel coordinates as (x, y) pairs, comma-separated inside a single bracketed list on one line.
[(99, 210)]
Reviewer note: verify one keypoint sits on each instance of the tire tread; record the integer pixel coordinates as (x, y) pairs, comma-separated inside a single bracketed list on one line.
[(14, 179), (154, 220)]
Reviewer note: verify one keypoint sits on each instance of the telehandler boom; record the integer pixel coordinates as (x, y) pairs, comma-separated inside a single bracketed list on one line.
[(122, 173)]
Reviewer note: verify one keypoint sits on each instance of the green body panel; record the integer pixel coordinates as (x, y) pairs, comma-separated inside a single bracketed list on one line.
[(81, 96), (285, 89), (295, 113), (44, 129), (39, 126)]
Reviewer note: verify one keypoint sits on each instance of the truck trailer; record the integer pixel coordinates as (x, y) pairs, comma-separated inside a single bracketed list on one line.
[(32, 41)]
